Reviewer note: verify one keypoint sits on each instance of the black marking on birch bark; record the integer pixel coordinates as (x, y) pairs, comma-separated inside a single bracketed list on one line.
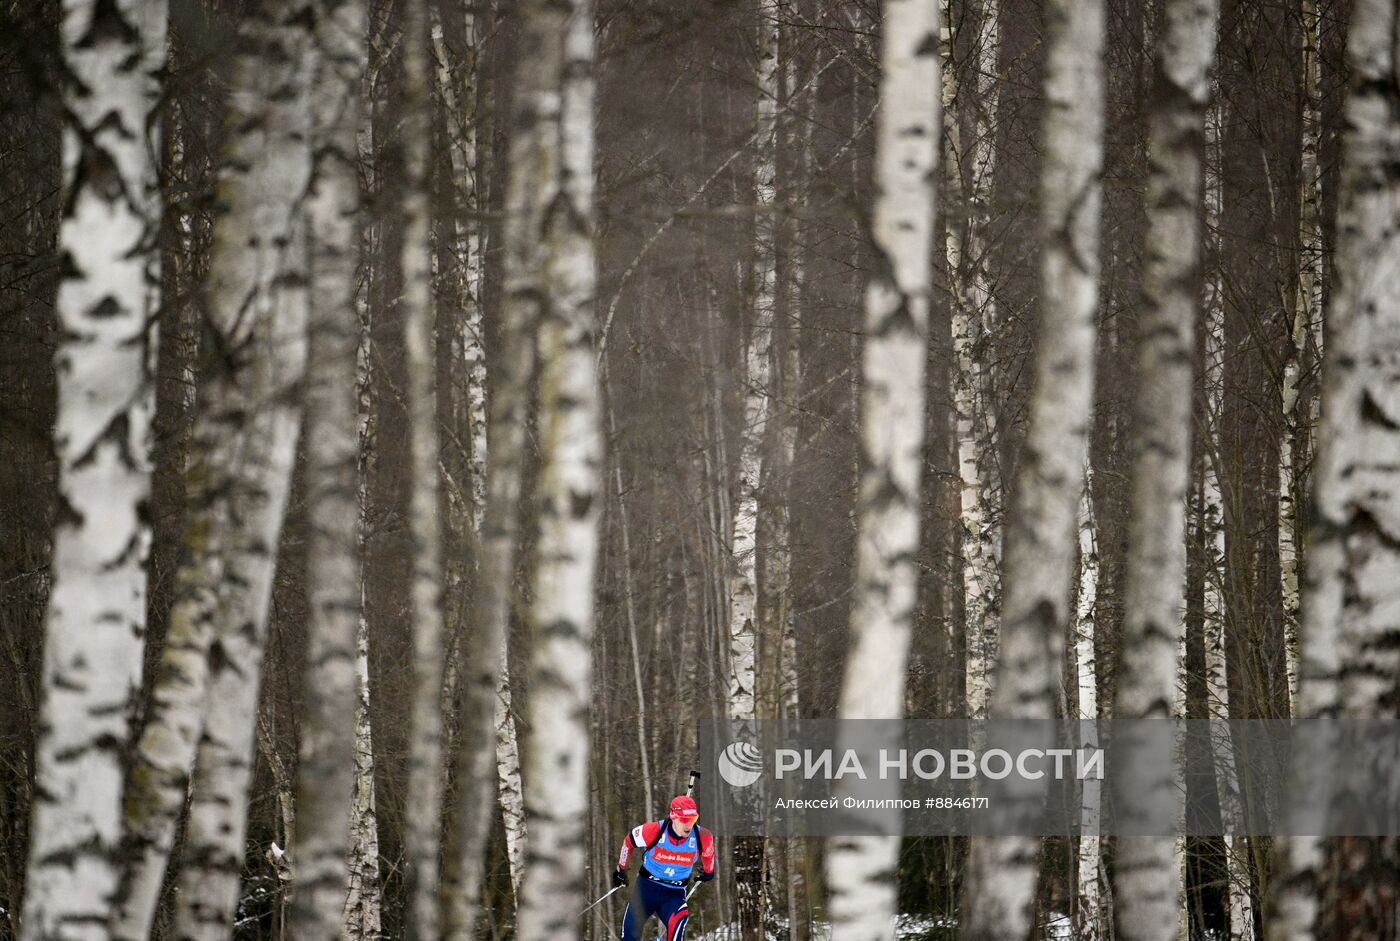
[(928, 45), (106, 308), (1373, 411), (560, 629), (1064, 233), (1156, 706), (107, 25), (106, 742), (71, 854), (580, 503), (66, 515)]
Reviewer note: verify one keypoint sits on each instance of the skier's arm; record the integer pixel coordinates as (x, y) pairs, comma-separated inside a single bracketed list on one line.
[(707, 855), (638, 837)]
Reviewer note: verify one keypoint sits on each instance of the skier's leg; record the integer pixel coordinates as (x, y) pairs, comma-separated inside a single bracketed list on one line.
[(629, 923), (639, 908), (673, 913), (675, 925)]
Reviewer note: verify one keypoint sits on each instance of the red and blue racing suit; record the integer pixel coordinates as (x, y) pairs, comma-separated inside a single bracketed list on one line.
[(668, 861)]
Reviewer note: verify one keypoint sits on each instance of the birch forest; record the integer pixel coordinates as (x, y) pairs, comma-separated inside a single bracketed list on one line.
[(417, 416)]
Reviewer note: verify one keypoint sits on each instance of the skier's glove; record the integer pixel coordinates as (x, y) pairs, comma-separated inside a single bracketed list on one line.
[(619, 877), (706, 876)]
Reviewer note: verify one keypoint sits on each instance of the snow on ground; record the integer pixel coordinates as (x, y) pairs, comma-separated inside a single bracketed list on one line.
[(907, 928), (1058, 927)]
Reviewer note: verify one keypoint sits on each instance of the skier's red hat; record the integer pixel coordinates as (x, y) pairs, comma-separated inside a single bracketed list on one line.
[(683, 808)]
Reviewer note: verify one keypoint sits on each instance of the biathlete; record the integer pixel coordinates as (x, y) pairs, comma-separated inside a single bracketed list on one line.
[(672, 851)]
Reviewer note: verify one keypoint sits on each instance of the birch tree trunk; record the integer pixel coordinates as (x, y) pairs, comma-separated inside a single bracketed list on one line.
[(1349, 644), (108, 296), (1149, 895), (532, 168), (423, 820), (983, 163), (796, 854), (453, 302), (360, 919), (450, 302), (980, 305), (1306, 332), (510, 787), (208, 884), (570, 498), (471, 186), (629, 606), (326, 772), (207, 892), (860, 870), (976, 413), (743, 590), (1092, 920), (1041, 542), (511, 793), (974, 425), (747, 852), (1241, 907), (243, 440), (462, 101)]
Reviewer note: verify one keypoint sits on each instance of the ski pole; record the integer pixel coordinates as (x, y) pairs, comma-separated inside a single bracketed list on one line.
[(598, 902), (689, 792)]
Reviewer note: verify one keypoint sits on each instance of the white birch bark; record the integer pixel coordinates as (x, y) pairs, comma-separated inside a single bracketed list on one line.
[(860, 870), (570, 497), (455, 302), (982, 169), (108, 296), (743, 692), (510, 790), (1149, 894), (1041, 541), (461, 103), (459, 96), (326, 771), (960, 418), (980, 301), (422, 818), (792, 384), (1092, 918), (973, 424), (532, 163), (743, 586), (979, 298), (244, 435), (361, 917), (219, 788), (510, 786), (777, 683), (1240, 904), (1306, 333), (1349, 646), (207, 891)]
